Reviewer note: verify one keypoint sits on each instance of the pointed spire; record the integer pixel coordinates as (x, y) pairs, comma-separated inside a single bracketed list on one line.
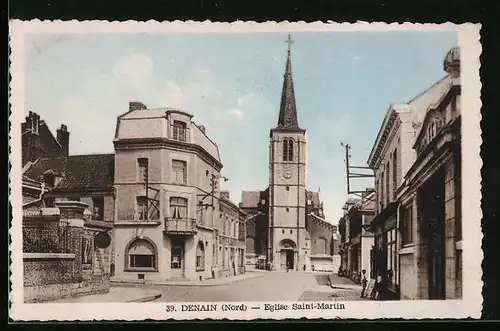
[(288, 110)]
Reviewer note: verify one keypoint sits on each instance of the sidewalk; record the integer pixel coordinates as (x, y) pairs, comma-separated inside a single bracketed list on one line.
[(206, 282), (116, 294), (338, 282)]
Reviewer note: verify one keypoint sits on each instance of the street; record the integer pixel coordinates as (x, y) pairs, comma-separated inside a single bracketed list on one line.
[(269, 286)]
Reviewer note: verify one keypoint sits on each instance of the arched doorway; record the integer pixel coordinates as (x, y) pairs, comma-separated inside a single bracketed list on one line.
[(287, 254)]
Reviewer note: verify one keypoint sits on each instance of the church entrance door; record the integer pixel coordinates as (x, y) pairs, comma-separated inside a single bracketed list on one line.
[(289, 259), (287, 254)]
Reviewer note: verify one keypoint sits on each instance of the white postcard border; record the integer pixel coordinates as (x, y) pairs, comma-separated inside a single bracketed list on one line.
[(469, 306)]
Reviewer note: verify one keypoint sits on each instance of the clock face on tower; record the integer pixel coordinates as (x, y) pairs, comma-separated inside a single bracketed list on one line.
[(287, 174)]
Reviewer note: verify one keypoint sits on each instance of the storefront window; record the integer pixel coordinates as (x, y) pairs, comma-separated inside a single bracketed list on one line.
[(141, 254)]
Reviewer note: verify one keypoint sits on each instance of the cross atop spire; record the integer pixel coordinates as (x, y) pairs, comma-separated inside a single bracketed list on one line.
[(289, 41), (288, 110)]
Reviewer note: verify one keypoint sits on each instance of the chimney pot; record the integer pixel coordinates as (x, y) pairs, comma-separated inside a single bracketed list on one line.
[(136, 105)]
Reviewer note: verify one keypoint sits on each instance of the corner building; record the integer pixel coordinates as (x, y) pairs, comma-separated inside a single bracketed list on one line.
[(167, 221), (286, 227)]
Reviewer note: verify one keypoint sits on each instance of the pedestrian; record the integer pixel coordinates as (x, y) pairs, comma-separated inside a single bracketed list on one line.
[(364, 282), (375, 295), (383, 286)]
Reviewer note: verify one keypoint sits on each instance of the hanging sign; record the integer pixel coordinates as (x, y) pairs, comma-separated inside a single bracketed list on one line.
[(102, 240), (369, 288)]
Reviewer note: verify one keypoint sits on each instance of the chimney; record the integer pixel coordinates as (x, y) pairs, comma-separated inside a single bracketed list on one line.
[(136, 105), (33, 122), (202, 128), (63, 139), (224, 194)]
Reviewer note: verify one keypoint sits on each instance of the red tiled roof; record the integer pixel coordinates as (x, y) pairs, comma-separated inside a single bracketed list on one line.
[(81, 172)]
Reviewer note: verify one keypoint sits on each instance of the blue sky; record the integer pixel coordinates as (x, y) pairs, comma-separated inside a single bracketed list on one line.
[(231, 82)]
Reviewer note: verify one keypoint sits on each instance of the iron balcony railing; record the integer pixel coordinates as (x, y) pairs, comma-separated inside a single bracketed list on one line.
[(185, 226)]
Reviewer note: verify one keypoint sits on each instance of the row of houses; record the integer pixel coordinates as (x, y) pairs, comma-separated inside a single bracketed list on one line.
[(156, 201), (410, 223)]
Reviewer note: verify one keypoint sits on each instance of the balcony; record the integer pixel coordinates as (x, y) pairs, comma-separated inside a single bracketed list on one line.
[(180, 226)]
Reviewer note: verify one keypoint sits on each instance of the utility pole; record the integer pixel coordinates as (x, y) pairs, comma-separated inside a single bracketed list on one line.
[(360, 173)]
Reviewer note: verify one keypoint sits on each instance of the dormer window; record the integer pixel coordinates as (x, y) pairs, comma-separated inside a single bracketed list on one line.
[(179, 131)]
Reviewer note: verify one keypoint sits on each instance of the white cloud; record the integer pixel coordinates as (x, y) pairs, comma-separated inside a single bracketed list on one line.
[(356, 58), (134, 70), (174, 95), (236, 112)]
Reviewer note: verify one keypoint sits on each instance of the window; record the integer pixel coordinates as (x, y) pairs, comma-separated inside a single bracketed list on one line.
[(391, 254), (179, 131), (224, 262), (387, 181), (177, 253), (407, 229), (141, 254), (233, 256), (287, 149), (98, 208), (178, 208), (142, 208), (200, 256), (382, 196), (142, 170), (322, 245), (378, 195), (179, 172), (394, 173)]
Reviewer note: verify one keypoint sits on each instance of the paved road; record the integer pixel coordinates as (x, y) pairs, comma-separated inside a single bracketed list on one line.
[(268, 287)]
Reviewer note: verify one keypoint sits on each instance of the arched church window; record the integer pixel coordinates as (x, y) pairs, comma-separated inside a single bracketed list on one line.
[(287, 149)]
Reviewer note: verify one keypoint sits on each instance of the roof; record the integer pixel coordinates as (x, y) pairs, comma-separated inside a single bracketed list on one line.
[(147, 123), (416, 106), (250, 199), (314, 197), (80, 172), (288, 110)]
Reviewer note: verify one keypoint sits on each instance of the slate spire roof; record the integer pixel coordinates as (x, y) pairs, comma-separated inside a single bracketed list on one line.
[(288, 111)]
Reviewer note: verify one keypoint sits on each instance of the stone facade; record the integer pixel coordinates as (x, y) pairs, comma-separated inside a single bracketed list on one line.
[(356, 241), (169, 216), (419, 200)]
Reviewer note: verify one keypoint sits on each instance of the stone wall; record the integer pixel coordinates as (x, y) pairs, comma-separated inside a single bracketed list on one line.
[(49, 276)]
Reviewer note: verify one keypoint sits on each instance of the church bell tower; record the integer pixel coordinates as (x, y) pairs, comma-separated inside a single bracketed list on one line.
[(287, 182)]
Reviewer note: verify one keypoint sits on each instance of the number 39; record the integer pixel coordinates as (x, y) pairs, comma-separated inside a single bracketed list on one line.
[(169, 308)]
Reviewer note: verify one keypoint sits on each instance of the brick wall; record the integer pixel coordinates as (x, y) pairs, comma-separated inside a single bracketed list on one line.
[(321, 235), (49, 276)]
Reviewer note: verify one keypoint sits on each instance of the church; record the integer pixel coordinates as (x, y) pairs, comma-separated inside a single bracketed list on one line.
[(286, 228)]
